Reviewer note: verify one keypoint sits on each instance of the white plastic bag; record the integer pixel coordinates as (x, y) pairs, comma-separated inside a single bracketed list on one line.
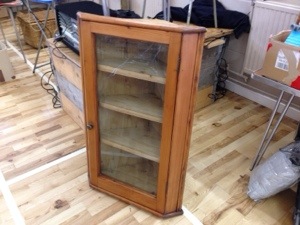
[(276, 174)]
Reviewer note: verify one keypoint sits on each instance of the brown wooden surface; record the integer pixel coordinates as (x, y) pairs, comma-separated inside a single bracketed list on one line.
[(225, 138), (212, 34), (216, 33)]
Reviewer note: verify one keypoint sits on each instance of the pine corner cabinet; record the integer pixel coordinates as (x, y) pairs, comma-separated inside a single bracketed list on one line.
[(139, 84)]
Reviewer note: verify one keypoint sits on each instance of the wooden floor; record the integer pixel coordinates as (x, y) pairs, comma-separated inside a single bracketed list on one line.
[(43, 175)]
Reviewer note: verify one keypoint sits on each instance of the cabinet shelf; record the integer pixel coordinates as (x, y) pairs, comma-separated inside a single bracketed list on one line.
[(129, 168), (146, 106), (136, 180), (134, 69), (138, 141)]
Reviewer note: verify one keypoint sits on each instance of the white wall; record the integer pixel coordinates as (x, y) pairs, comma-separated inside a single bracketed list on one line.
[(243, 6), (236, 49)]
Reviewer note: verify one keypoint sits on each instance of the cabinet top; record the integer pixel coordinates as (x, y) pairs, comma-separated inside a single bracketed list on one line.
[(154, 24)]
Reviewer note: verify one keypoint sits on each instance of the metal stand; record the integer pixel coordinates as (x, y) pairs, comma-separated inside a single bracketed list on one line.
[(269, 133), (267, 137)]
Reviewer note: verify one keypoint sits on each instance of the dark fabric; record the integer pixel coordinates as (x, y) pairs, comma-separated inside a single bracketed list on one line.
[(202, 15), (126, 14), (6, 1), (177, 13), (71, 9)]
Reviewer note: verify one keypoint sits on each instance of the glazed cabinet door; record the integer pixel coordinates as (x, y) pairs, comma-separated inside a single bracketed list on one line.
[(129, 100)]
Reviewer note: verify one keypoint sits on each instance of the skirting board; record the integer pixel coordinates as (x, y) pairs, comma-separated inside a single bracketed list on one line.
[(260, 98)]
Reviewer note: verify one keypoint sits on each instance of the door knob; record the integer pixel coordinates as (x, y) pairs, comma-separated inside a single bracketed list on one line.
[(89, 126)]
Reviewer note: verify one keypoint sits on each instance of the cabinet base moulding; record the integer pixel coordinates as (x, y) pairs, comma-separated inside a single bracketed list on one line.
[(162, 215)]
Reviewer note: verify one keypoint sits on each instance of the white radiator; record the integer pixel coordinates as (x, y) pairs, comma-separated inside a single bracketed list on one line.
[(268, 18)]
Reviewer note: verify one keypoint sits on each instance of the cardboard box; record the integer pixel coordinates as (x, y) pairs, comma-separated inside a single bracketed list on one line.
[(282, 61), (6, 69)]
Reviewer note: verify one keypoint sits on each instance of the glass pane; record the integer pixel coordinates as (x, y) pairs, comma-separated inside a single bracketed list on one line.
[(131, 77)]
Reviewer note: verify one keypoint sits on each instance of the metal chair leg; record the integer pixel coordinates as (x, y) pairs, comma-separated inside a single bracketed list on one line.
[(43, 35), (188, 21), (105, 8), (3, 35), (10, 13), (166, 10)]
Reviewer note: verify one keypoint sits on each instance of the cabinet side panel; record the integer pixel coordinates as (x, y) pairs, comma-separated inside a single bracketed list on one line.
[(185, 98), (194, 91), (168, 117), (88, 69)]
